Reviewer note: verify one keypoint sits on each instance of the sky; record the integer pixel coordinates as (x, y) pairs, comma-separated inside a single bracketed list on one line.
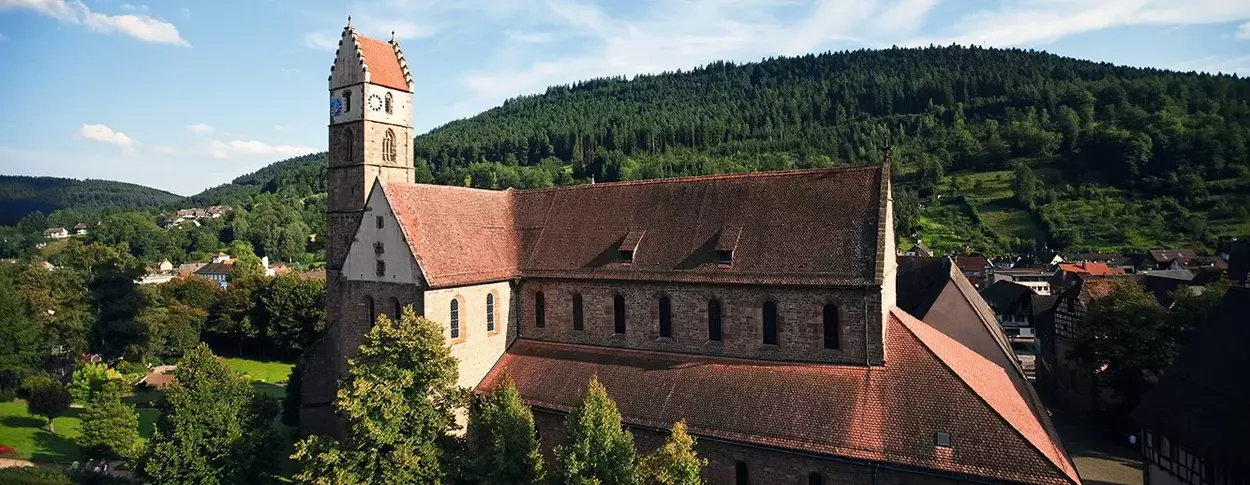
[(183, 95)]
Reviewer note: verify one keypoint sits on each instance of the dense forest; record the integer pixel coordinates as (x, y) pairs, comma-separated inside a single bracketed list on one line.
[(993, 150), (20, 195)]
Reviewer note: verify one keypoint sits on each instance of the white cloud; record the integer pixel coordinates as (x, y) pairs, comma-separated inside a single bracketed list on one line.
[(200, 128), (279, 127), (165, 150), (1243, 32), (321, 41), (104, 134), (136, 8), (253, 148), (1042, 21), (530, 37), (1239, 65), (141, 27)]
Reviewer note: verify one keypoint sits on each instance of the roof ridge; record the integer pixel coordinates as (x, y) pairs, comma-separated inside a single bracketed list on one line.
[(398, 183), (719, 176), (911, 323)]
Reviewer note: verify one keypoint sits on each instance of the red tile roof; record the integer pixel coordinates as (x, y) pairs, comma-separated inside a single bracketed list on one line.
[(1181, 256), (382, 62), (801, 227), (890, 413), (1090, 268)]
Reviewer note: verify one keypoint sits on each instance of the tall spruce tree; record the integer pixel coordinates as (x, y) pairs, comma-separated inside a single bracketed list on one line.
[(675, 463), (397, 402), (110, 429), (214, 428), (596, 448), (502, 439)]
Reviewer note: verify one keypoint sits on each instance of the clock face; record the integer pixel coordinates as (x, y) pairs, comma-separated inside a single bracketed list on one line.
[(375, 102), (336, 107)]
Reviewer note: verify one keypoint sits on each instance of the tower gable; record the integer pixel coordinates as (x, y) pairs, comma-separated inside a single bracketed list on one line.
[(380, 239), (363, 59)]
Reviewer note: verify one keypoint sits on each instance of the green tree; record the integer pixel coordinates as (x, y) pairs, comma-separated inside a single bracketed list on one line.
[(1025, 184), (246, 266), (397, 402), (675, 463), (295, 313), (291, 398), (213, 429), (1127, 337), (49, 399), (110, 429), (20, 349), (88, 379), (502, 439), (596, 448)]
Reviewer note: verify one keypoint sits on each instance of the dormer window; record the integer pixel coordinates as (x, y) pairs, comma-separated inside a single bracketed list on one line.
[(726, 242), (942, 439), (629, 245)]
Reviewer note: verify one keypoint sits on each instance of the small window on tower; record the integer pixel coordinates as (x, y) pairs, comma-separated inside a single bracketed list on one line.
[(378, 219), (381, 268), (347, 101), (389, 102), (378, 249), (388, 146)]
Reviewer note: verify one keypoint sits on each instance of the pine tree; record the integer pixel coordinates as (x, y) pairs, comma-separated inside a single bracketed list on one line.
[(596, 448), (397, 402), (502, 439), (675, 463), (110, 429), (213, 429)]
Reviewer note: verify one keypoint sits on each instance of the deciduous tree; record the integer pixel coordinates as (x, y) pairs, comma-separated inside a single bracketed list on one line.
[(597, 448), (110, 429), (48, 399)]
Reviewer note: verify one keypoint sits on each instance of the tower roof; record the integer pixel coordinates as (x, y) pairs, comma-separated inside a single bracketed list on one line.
[(382, 62)]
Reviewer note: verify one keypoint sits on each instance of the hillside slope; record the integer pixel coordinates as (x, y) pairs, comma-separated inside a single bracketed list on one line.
[(21, 195)]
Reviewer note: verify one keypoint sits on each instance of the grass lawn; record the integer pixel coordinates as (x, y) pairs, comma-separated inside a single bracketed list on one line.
[(30, 437), (267, 372)]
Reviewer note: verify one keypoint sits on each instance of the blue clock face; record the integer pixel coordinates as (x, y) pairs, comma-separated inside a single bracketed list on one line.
[(336, 107)]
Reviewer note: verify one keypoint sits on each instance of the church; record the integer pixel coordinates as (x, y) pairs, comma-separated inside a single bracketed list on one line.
[(768, 310)]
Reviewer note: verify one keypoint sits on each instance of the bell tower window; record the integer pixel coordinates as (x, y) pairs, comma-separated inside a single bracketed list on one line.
[(388, 146), (347, 101), (389, 102)]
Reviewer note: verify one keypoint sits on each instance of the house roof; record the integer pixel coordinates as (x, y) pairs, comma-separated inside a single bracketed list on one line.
[(1201, 401), (1003, 295), (215, 268), (1090, 268), (887, 413), (1042, 303), (802, 227), (919, 282), (1182, 256), (383, 61), (972, 263), (80, 225), (53, 230)]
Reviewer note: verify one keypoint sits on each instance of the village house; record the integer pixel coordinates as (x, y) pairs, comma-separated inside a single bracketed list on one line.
[(976, 268), (1013, 307), (55, 233), (218, 270), (1035, 278), (1068, 273), (1194, 423), (80, 229), (778, 301), (158, 273), (918, 249)]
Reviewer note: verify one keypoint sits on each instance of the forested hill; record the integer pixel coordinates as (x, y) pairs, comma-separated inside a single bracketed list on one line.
[(306, 173), (21, 195), (1110, 157)]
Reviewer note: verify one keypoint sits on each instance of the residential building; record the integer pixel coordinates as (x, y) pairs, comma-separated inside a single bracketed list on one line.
[(55, 233), (80, 229), (976, 268), (1194, 423), (1167, 259), (1035, 278), (699, 298), (918, 249), (1013, 307), (1069, 273), (218, 271)]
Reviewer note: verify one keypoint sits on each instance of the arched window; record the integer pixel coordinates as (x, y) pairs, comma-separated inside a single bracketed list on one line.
[(345, 151), (388, 146), (618, 314), (389, 102), (770, 323), (814, 478), (742, 476), (347, 101), (831, 326), (373, 315), (713, 320), (396, 308), (490, 312), (540, 310), (455, 318), (577, 311), (666, 317)]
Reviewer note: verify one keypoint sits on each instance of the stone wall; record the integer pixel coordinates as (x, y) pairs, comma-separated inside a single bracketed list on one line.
[(764, 466), (800, 318), (477, 348)]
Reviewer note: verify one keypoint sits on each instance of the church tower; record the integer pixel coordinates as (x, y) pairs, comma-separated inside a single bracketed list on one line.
[(370, 138)]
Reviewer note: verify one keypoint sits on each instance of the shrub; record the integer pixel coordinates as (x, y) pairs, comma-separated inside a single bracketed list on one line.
[(88, 380), (32, 475)]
